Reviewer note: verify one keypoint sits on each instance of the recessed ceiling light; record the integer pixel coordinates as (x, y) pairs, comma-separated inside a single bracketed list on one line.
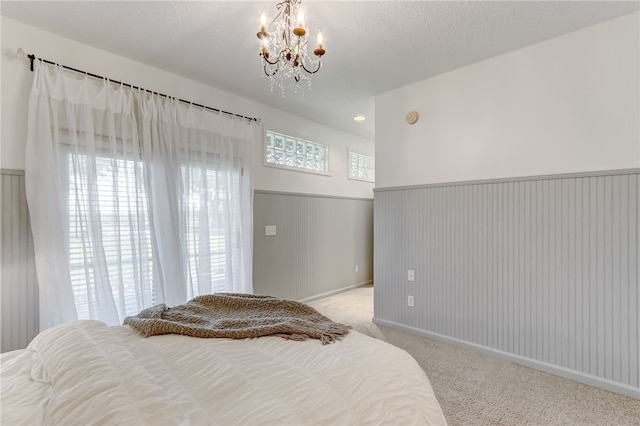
[(359, 118)]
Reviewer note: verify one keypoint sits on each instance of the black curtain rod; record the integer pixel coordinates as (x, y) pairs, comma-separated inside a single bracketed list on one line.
[(33, 58)]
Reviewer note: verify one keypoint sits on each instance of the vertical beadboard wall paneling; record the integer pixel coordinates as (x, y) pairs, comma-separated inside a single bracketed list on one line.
[(318, 242), (541, 270), (280, 266), (19, 287)]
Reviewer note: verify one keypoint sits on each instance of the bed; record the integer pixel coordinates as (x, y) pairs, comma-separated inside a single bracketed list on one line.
[(86, 372)]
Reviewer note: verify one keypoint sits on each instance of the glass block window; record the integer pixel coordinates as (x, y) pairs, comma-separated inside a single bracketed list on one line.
[(362, 167), (292, 153)]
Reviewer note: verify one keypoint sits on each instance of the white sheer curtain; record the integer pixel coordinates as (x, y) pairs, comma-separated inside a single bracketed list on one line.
[(198, 170), (134, 199)]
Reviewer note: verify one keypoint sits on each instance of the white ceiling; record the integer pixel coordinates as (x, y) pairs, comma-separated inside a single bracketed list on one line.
[(372, 47)]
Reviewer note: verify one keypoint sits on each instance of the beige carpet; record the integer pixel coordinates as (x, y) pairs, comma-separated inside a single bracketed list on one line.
[(475, 389)]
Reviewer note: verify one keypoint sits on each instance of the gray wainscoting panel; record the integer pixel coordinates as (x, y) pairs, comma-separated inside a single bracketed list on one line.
[(540, 268), (281, 264), (318, 242), (19, 286)]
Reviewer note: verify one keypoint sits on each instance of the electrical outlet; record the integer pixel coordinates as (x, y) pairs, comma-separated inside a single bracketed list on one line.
[(411, 275), (357, 268), (270, 230), (410, 301)]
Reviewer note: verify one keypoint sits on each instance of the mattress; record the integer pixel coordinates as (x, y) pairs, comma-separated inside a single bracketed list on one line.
[(89, 373)]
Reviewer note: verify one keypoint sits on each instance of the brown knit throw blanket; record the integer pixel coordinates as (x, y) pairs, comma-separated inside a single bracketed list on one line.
[(238, 316)]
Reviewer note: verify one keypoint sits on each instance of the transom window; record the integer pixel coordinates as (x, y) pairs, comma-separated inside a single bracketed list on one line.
[(362, 167), (292, 153)]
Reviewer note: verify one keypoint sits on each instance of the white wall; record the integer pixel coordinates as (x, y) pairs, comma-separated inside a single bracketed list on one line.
[(570, 104), (16, 84)]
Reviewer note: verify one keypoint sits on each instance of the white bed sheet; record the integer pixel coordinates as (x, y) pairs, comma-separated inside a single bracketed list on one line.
[(88, 373)]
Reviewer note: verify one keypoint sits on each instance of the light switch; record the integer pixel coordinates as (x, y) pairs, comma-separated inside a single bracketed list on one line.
[(411, 275), (270, 230)]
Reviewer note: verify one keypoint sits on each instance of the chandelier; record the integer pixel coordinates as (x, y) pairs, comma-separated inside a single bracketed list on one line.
[(283, 49)]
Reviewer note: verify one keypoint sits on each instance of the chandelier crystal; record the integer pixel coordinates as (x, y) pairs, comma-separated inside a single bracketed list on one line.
[(283, 49)]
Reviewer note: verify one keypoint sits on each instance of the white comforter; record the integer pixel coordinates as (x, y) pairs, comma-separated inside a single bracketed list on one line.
[(88, 373)]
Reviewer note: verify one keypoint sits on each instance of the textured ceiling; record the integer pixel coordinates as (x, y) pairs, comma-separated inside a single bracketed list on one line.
[(372, 47)]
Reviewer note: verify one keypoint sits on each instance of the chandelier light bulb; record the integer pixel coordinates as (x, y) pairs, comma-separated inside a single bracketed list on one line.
[(300, 19), (319, 39), (262, 34)]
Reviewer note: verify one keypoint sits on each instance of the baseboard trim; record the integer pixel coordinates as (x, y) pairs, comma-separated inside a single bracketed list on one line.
[(334, 292), (527, 362)]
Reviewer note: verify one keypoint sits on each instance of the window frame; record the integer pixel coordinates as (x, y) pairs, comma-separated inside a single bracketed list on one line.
[(349, 169), (294, 168)]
